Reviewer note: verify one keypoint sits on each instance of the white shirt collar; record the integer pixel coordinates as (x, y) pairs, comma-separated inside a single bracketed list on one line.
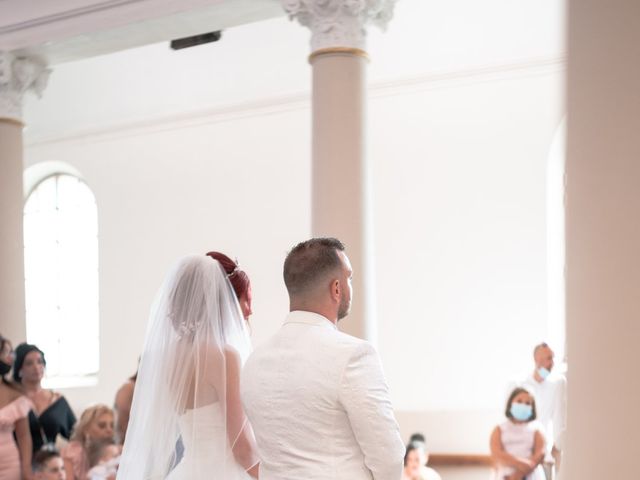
[(309, 318)]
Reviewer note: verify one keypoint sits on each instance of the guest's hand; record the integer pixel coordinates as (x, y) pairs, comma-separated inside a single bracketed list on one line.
[(524, 465)]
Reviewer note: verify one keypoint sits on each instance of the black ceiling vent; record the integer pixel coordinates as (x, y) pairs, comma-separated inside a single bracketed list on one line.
[(196, 40)]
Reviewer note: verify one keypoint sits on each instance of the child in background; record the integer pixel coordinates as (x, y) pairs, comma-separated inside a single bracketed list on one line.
[(517, 445), (48, 465), (415, 461), (104, 458)]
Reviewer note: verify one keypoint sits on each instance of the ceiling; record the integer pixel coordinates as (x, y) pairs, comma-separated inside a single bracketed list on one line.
[(67, 30)]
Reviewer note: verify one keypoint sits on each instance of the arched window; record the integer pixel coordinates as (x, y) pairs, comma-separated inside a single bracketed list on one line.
[(61, 278)]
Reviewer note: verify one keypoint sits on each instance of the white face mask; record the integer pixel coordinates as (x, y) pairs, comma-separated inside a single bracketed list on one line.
[(521, 411), (543, 372)]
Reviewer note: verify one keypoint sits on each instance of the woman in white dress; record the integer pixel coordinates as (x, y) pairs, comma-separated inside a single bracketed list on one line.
[(517, 445), (187, 421)]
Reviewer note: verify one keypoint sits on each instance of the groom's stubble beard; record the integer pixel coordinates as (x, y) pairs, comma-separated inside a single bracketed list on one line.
[(344, 308)]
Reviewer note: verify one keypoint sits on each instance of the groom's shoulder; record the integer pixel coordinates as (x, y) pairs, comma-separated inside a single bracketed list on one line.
[(349, 340), (350, 346), (330, 341)]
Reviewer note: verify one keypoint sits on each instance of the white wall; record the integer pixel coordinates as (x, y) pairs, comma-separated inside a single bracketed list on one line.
[(209, 148), (460, 204)]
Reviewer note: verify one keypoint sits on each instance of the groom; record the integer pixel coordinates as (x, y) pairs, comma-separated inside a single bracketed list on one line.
[(317, 398)]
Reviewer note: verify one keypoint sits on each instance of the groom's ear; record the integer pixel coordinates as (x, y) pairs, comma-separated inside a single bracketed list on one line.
[(335, 290)]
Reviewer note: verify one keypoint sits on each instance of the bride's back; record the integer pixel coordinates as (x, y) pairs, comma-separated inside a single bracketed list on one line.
[(203, 379), (182, 385)]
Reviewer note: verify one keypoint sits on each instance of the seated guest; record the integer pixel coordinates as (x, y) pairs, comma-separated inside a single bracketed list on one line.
[(48, 465), (104, 458), (124, 398), (95, 424), (415, 461), (517, 445), (15, 460), (51, 414)]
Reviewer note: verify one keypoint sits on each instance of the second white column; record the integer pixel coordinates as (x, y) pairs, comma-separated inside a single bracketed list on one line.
[(341, 205)]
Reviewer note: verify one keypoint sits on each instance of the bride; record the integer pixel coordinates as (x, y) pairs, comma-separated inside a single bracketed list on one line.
[(187, 421)]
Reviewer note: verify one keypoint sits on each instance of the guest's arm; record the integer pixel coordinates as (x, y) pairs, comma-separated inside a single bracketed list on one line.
[(124, 398), (68, 463), (68, 423), (365, 397), (68, 470), (501, 457), (25, 446), (539, 448), (535, 459), (72, 455)]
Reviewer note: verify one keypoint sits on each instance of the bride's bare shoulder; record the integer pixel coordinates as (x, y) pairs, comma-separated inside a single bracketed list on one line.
[(215, 357)]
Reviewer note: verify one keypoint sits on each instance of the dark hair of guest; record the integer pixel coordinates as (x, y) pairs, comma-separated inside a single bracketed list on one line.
[(22, 351), (4, 341), (42, 457), (540, 346), (416, 445)]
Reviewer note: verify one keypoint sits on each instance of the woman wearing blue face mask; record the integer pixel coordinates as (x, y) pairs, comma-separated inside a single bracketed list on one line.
[(517, 445)]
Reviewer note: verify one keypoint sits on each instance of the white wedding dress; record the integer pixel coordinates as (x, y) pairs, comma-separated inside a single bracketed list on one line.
[(206, 450), (187, 391)]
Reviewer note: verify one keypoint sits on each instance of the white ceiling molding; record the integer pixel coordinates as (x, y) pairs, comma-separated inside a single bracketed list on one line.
[(75, 29), (299, 100)]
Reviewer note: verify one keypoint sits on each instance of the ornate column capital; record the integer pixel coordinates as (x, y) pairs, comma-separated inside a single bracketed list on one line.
[(17, 76), (339, 23)]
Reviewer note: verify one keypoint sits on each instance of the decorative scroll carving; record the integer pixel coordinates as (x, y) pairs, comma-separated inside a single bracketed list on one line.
[(17, 76), (339, 23)]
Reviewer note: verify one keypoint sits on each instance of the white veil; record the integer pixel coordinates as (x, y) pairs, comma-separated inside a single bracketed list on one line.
[(195, 345)]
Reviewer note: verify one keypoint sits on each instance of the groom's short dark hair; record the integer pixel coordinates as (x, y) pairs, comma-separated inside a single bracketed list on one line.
[(308, 262)]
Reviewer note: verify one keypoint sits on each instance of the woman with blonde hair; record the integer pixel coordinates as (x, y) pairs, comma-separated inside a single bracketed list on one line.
[(95, 424)]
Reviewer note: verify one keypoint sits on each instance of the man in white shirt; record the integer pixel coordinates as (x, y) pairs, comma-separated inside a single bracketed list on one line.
[(316, 397), (550, 392)]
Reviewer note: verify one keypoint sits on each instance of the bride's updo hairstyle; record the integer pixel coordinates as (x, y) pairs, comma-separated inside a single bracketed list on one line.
[(238, 278)]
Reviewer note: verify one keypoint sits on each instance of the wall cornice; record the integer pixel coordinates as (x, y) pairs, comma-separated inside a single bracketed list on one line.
[(297, 101)]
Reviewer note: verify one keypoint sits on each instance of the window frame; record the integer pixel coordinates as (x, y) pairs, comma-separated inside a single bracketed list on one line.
[(78, 378)]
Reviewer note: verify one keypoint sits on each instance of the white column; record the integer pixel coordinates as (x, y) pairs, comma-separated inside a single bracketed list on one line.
[(603, 240), (17, 76), (341, 203)]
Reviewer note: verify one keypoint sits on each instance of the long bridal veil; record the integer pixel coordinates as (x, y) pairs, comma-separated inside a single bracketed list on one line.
[(186, 415)]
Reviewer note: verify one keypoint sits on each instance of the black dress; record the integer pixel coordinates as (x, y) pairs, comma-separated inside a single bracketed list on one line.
[(57, 418)]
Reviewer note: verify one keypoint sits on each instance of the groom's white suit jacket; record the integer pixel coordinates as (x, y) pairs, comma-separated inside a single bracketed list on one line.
[(319, 405)]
